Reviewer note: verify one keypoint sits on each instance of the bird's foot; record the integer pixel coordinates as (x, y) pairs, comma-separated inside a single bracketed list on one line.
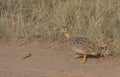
[(77, 56)]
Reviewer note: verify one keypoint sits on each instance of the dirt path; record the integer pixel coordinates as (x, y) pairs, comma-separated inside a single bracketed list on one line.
[(51, 60)]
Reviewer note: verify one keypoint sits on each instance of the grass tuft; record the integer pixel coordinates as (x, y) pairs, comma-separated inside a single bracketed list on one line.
[(97, 20)]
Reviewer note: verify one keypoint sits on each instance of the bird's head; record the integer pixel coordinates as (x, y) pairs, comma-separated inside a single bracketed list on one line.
[(65, 31)]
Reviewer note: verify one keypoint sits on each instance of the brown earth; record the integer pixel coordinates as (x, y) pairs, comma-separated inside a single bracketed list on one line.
[(51, 60)]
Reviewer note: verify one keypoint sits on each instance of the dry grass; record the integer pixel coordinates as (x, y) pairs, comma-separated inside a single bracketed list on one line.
[(97, 20)]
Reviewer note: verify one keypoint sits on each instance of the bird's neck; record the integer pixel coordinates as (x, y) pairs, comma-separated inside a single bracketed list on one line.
[(67, 35)]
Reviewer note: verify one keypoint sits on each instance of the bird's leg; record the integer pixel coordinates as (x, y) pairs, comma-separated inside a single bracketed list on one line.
[(84, 58)]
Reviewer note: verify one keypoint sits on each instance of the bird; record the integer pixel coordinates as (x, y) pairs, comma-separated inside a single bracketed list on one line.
[(81, 45)]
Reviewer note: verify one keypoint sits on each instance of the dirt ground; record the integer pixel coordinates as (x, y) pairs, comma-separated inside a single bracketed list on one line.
[(51, 60)]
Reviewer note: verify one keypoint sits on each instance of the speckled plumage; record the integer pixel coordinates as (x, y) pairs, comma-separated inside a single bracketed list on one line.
[(81, 45)]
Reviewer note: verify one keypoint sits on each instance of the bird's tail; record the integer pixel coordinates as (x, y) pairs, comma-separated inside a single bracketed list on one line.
[(104, 50)]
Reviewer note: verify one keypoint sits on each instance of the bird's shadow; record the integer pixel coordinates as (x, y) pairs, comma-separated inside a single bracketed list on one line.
[(93, 56)]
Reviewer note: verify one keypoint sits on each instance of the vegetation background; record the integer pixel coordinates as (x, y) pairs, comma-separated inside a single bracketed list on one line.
[(98, 20)]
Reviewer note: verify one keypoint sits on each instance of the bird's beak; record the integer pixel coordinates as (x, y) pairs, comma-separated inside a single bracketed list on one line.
[(57, 28)]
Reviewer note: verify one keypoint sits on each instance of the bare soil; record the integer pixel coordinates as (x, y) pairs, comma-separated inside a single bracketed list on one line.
[(51, 60)]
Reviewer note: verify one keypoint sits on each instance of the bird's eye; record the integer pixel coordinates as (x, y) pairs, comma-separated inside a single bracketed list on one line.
[(64, 29)]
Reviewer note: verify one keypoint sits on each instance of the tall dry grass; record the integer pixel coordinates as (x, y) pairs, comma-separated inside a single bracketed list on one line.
[(98, 20)]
